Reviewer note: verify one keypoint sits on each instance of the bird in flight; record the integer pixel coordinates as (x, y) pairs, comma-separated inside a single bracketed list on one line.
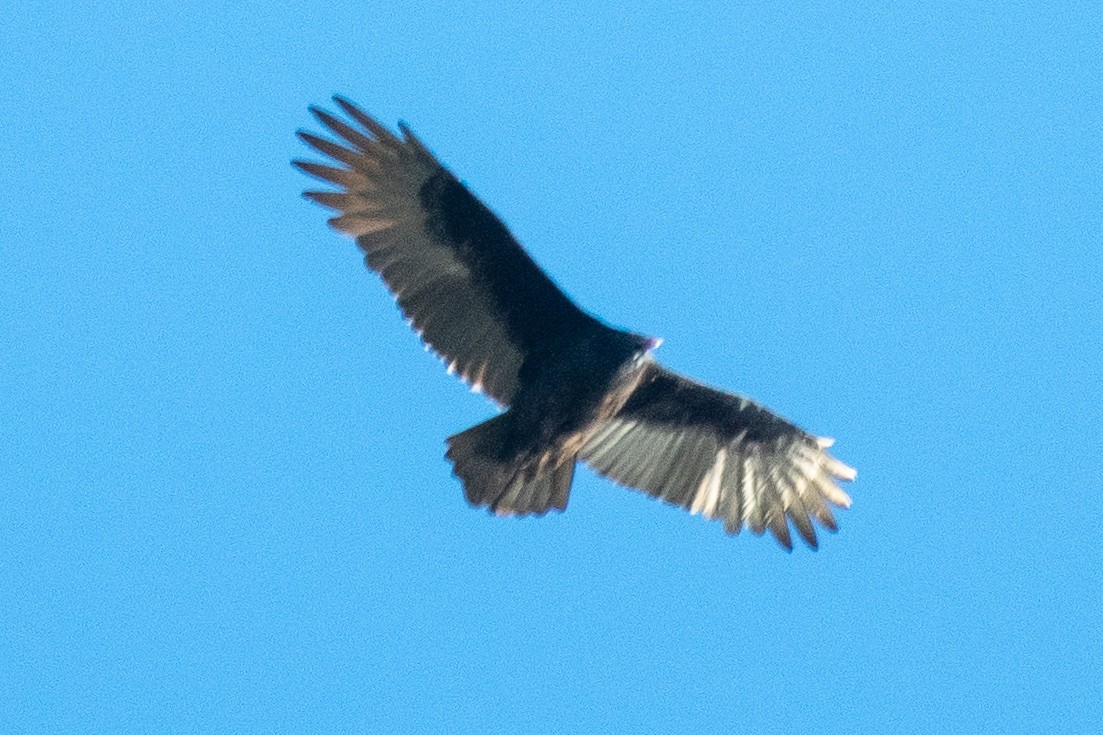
[(574, 388)]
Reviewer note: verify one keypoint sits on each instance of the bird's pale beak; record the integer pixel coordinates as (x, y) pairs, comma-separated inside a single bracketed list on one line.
[(653, 343)]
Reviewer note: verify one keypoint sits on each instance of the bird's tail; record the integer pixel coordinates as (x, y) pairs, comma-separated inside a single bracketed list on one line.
[(507, 480)]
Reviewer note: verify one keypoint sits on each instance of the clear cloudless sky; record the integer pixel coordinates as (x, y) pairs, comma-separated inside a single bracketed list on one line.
[(224, 505)]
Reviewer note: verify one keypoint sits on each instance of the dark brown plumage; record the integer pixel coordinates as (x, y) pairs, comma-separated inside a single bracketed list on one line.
[(574, 387)]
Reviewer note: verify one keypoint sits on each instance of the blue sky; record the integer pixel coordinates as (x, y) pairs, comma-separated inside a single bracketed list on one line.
[(224, 505)]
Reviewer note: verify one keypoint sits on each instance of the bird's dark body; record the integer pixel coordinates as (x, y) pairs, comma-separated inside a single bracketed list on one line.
[(573, 387), (564, 394), (587, 378)]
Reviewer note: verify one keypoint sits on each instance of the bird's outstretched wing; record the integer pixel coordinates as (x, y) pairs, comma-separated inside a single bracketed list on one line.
[(462, 280), (720, 455)]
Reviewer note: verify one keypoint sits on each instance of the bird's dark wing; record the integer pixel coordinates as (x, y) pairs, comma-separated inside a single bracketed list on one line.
[(460, 278), (720, 455)]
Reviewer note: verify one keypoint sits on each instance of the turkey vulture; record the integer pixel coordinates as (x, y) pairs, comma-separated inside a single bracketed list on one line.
[(573, 387)]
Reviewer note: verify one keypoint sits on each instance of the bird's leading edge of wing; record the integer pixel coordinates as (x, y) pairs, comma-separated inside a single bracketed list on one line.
[(719, 455), (461, 279)]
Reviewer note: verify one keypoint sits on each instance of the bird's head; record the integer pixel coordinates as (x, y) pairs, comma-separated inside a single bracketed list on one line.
[(642, 345)]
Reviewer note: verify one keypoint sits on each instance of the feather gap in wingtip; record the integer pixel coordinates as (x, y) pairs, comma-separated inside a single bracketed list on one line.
[(375, 128), (347, 178), (352, 135)]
